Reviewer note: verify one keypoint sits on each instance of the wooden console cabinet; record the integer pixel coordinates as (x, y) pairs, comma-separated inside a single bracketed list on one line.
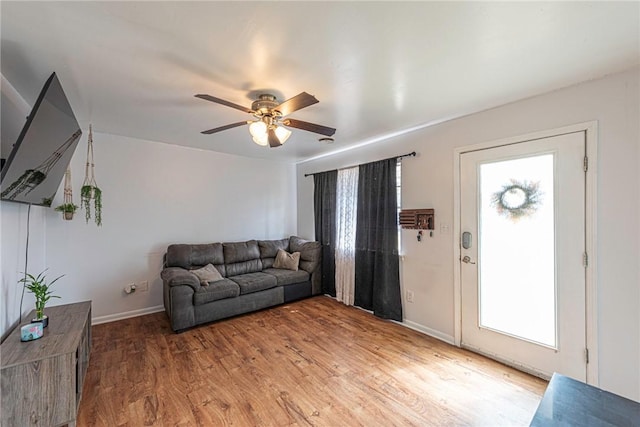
[(42, 379)]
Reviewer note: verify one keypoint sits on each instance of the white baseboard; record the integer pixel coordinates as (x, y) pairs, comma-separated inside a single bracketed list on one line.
[(428, 331), (126, 315)]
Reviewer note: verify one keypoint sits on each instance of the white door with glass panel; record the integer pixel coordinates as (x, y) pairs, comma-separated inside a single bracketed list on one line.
[(522, 254)]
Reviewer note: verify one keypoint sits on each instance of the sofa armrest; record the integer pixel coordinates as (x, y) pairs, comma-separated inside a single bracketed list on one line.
[(310, 253), (179, 286), (176, 276), (310, 260)]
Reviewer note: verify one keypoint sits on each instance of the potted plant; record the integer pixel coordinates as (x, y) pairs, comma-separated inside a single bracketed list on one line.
[(88, 193), (67, 209), (41, 290)]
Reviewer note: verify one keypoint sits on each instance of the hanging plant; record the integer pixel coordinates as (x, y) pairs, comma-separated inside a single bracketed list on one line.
[(517, 199), (68, 208), (87, 194), (90, 190)]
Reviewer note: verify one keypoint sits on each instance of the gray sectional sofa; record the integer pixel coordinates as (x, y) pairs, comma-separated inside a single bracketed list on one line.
[(249, 282)]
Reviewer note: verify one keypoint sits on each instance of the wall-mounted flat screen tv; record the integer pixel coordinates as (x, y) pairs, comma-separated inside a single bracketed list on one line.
[(35, 168)]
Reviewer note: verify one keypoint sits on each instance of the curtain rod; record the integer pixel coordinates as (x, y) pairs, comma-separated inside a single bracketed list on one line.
[(411, 154)]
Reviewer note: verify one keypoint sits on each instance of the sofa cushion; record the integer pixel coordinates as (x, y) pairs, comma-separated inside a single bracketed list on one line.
[(287, 261), (207, 274), (240, 251), (189, 256), (269, 250), (254, 282), (287, 277), (242, 258), (310, 252), (246, 267), (221, 289)]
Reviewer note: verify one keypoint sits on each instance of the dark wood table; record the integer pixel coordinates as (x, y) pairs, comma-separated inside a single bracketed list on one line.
[(568, 402)]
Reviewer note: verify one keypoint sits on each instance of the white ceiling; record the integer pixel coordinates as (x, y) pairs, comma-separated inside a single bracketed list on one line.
[(378, 68)]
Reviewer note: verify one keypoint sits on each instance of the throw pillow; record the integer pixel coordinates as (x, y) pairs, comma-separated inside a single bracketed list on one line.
[(286, 260), (207, 274)]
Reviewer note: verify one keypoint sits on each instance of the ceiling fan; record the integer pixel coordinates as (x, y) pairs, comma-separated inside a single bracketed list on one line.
[(269, 128)]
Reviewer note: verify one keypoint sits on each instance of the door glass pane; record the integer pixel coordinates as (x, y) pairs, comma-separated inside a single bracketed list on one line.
[(517, 248)]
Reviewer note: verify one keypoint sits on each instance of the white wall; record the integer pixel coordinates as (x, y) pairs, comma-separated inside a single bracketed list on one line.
[(427, 182), (154, 194)]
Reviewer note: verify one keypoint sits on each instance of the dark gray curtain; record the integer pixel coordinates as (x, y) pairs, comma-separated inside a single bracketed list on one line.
[(324, 206), (377, 284)]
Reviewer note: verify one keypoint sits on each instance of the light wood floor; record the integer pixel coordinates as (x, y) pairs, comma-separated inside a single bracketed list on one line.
[(314, 362)]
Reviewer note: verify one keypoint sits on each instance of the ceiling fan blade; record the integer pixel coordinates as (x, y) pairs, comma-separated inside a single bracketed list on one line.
[(311, 127), (221, 128), (296, 103), (273, 138), (223, 102)]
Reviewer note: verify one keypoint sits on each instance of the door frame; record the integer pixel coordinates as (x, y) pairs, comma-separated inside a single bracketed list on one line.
[(591, 321)]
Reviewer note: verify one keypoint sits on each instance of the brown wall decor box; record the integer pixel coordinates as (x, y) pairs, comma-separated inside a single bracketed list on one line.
[(417, 219)]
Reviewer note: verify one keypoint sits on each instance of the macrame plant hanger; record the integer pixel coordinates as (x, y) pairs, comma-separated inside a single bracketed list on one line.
[(90, 190), (67, 213)]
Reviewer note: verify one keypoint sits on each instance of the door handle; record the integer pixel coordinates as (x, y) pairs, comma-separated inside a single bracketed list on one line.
[(467, 260)]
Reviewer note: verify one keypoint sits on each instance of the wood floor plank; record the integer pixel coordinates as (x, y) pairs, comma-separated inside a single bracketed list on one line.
[(315, 362)]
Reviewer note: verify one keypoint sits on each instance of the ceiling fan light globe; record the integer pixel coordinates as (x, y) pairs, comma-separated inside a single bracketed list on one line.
[(283, 134), (263, 140), (258, 129)]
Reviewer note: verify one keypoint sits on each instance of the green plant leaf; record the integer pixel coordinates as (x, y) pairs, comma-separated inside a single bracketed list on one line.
[(39, 287)]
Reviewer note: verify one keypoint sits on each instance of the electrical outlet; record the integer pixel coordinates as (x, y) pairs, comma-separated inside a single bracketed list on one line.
[(409, 296), (143, 286)]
